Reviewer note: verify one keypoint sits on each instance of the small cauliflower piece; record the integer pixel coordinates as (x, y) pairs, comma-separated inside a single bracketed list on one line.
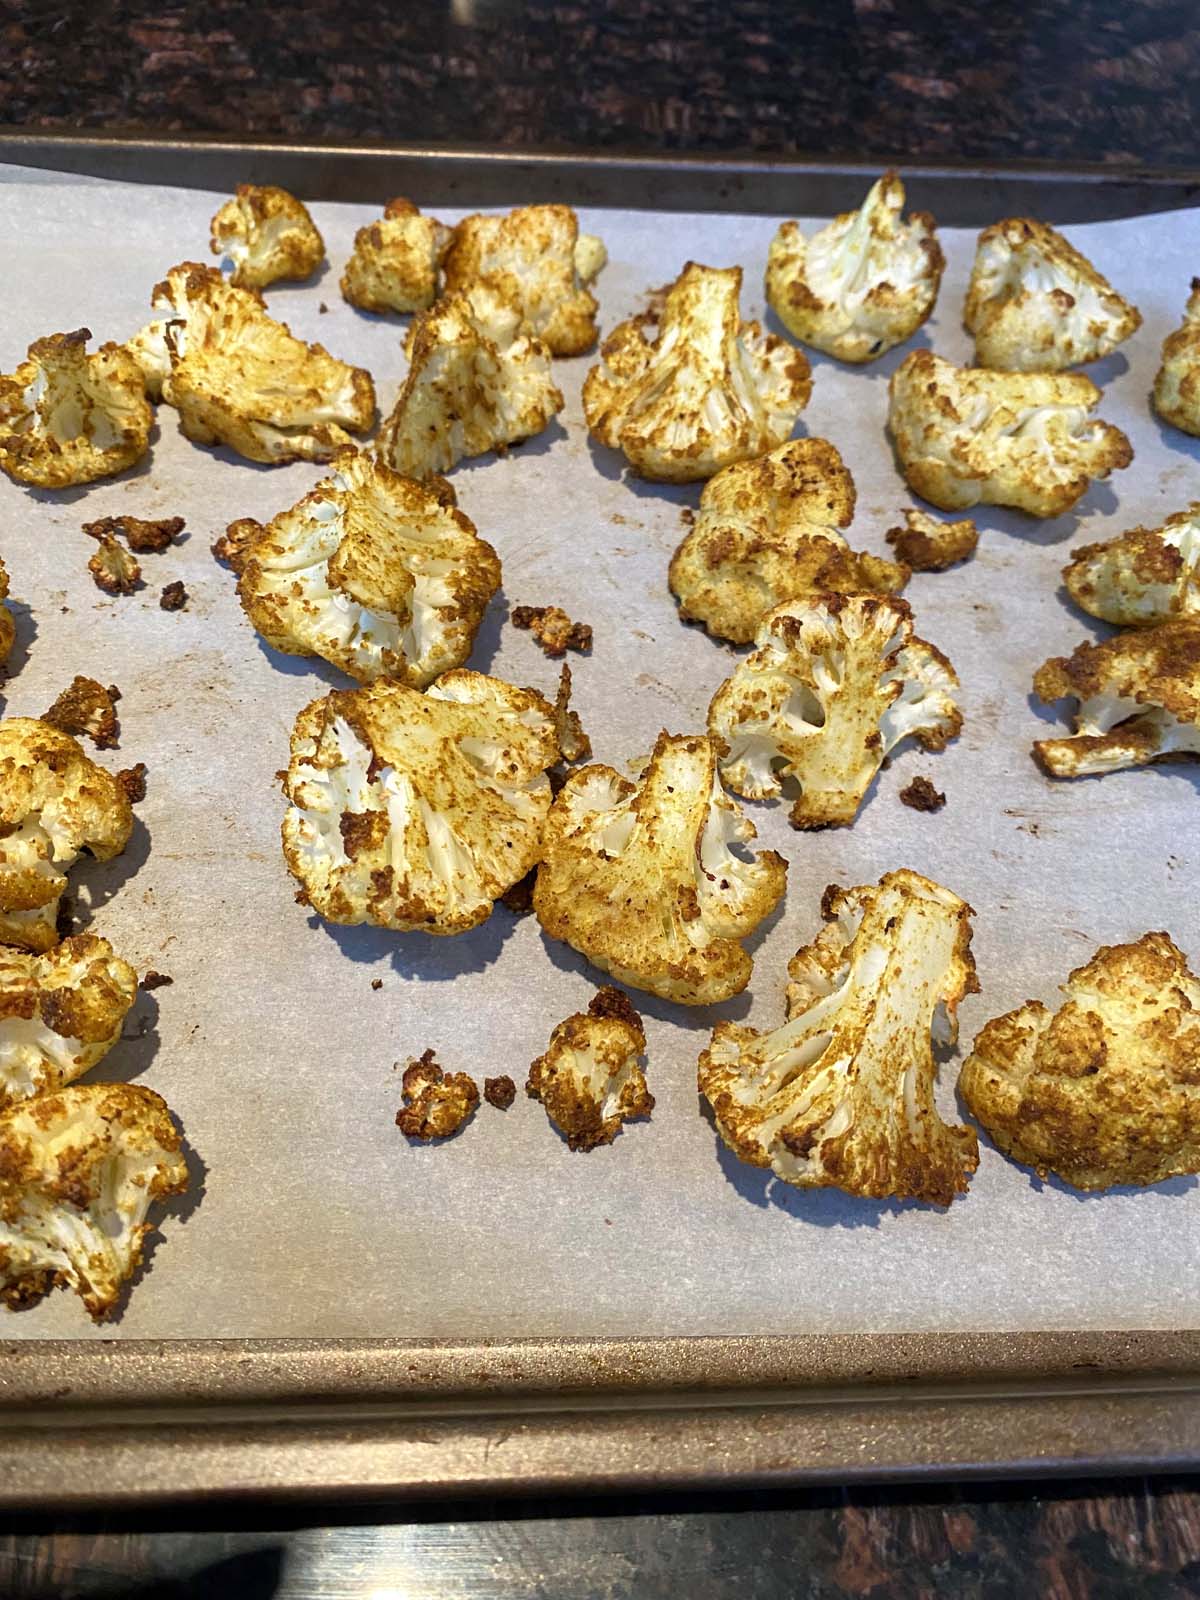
[(531, 258), (79, 1171), (8, 628), (1105, 1090), (642, 878), (965, 436), (266, 234), (589, 1079), (69, 418), (841, 1095), (1142, 577), (394, 266), (861, 285), (417, 811), (573, 743), (54, 803), (438, 1103), (769, 530), (86, 707), (112, 567), (927, 545), (232, 549), (835, 682), (60, 1013), (687, 387), (376, 573), (475, 383), (1139, 701), (143, 538), (1177, 383), (239, 378), (553, 629), (1035, 304)]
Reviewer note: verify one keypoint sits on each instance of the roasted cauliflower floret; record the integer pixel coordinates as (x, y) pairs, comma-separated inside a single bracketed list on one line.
[(239, 378), (1177, 384), (590, 1080), (87, 707), (79, 1171), (417, 811), (475, 383), (531, 258), (380, 575), (1143, 576), (1105, 1090), (842, 1094), (395, 262), (861, 285), (437, 1104), (8, 628), (966, 437), (687, 387), (54, 803), (642, 878), (927, 545), (1035, 304), (60, 1013), (768, 530), (69, 418), (266, 234), (1139, 701), (835, 682)]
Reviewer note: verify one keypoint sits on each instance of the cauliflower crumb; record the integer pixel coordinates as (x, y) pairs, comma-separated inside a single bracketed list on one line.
[(861, 285), (769, 530), (643, 878), (437, 1103), (688, 388), (573, 743), (965, 436), (132, 782), (266, 234), (1139, 701), (173, 597), (1142, 577), (835, 682), (927, 545), (156, 980), (589, 1079), (394, 266), (232, 549), (1177, 383), (920, 795), (842, 1093), (70, 418), (8, 628), (112, 568), (1035, 304), (143, 538), (86, 707), (1105, 1090), (499, 1092), (553, 629)]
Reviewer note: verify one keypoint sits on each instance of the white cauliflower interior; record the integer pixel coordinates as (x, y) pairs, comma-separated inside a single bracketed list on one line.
[(394, 266), (590, 1079), (1142, 577), (861, 285), (380, 575), (842, 1094), (266, 234)]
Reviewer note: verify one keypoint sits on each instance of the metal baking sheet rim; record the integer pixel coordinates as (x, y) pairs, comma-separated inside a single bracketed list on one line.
[(135, 1422)]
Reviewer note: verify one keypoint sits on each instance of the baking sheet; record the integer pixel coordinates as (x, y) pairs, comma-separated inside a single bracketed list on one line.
[(315, 1217)]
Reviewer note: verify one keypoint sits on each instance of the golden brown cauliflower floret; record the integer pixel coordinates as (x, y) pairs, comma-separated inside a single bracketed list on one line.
[(374, 572), (590, 1080), (395, 262), (1142, 577), (69, 418), (1139, 701), (553, 629), (835, 682), (1177, 384), (437, 1103), (54, 803), (87, 707), (769, 531), (79, 1171), (417, 811), (841, 1094), (266, 234), (927, 545), (861, 285), (60, 1013), (475, 383), (687, 387), (641, 879), (966, 437), (532, 259), (239, 378), (1035, 304), (8, 628), (1105, 1090)]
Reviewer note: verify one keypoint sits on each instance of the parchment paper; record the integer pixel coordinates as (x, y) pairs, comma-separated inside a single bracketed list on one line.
[(316, 1217)]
